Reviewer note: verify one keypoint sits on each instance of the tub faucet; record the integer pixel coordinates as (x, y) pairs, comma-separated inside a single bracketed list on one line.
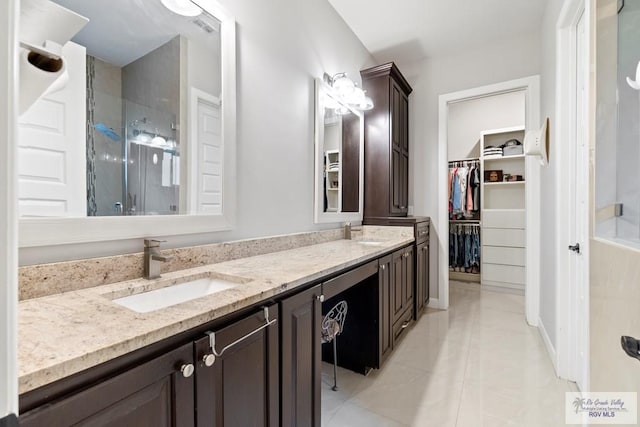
[(153, 258)]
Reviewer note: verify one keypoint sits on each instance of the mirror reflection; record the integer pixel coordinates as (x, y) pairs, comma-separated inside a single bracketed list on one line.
[(339, 149), (137, 128)]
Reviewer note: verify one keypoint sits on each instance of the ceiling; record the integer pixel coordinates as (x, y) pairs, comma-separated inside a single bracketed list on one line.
[(123, 33), (409, 30)]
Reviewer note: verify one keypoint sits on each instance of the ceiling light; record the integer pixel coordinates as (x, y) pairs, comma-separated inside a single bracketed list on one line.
[(182, 7)]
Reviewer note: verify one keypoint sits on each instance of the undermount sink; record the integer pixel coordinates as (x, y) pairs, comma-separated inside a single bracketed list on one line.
[(146, 302)]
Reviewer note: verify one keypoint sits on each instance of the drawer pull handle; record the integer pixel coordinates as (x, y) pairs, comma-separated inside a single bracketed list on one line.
[(187, 370), (405, 324), (212, 336), (422, 233)]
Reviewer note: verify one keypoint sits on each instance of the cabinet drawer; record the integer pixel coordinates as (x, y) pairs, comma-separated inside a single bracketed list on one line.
[(402, 325), (503, 273), (503, 237), (503, 255), (422, 232), (503, 219)]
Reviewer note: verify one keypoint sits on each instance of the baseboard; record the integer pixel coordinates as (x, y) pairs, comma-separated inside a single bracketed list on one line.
[(9, 421), (434, 303), (547, 343)]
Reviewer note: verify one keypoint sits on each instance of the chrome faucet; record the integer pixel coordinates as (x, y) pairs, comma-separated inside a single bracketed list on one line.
[(348, 229), (153, 258)]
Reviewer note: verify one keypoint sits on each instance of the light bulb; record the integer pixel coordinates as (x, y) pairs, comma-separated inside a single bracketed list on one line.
[(158, 140), (182, 7), (366, 104), (343, 85), (356, 97)]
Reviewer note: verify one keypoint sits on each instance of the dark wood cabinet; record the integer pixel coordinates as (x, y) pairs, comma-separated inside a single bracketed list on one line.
[(422, 277), (300, 357), (386, 138), (154, 394), (420, 268), (385, 316), (402, 284), (267, 365), (241, 386)]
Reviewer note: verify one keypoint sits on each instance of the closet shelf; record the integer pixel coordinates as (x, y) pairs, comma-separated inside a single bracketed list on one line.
[(505, 183), (491, 159)]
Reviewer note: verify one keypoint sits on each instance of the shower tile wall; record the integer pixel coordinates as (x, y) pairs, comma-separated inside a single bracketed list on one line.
[(109, 153), (151, 88)]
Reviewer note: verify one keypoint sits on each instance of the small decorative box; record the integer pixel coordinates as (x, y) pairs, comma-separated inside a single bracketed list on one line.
[(493, 176)]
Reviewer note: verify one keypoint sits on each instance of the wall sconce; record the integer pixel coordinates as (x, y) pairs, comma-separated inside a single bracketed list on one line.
[(349, 92)]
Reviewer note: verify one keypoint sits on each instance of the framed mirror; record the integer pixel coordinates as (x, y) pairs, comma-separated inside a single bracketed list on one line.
[(141, 139), (339, 158)]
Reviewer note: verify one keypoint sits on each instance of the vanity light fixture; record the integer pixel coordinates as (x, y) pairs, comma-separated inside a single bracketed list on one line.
[(348, 92), (182, 7)]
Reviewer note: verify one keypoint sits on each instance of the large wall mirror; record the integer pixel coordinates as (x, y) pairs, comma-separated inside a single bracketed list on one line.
[(339, 149), (141, 139)]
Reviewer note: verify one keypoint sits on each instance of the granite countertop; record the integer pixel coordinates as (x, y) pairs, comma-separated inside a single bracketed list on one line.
[(66, 333)]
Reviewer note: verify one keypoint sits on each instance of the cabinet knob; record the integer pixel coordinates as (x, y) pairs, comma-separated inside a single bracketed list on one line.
[(187, 370), (320, 298), (382, 267), (208, 359)]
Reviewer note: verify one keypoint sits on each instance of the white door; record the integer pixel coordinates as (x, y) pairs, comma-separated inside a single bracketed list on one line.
[(579, 264), (207, 154), (52, 147)]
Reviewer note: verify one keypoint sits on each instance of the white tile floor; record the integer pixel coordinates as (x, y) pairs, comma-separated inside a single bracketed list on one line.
[(478, 364)]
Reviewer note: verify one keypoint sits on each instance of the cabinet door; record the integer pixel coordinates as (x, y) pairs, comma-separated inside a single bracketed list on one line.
[(300, 358), (404, 118), (155, 394), (403, 177), (396, 116), (397, 285), (385, 290), (422, 277), (240, 388), (409, 278)]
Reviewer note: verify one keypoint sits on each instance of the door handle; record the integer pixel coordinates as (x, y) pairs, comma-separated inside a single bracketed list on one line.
[(631, 346), (575, 248)]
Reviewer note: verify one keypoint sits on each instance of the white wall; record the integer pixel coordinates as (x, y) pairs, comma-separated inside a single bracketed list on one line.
[(8, 225), (282, 45), (468, 118), (548, 175), (501, 61)]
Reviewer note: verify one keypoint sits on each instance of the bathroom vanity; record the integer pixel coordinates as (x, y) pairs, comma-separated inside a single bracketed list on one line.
[(249, 354)]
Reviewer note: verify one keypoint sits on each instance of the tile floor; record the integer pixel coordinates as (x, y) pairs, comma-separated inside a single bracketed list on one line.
[(478, 364)]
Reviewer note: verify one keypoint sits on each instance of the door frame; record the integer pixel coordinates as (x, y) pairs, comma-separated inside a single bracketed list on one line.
[(531, 86), (567, 296), (9, 19)]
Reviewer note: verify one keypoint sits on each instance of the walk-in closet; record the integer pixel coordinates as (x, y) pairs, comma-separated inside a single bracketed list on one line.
[(486, 187)]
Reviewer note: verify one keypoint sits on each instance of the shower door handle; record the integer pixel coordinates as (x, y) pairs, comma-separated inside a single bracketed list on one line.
[(575, 248)]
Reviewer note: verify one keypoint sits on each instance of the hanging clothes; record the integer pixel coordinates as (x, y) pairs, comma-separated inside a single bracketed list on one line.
[(464, 248), (464, 189)]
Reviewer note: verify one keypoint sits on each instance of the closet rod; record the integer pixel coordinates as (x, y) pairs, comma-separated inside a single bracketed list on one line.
[(466, 225), (471, 159)]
